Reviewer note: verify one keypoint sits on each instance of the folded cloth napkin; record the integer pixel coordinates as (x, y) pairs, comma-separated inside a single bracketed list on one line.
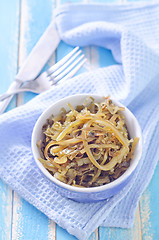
[(131, 31)]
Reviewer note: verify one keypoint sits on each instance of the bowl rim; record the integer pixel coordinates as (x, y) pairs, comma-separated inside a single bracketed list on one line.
[(108, 186)]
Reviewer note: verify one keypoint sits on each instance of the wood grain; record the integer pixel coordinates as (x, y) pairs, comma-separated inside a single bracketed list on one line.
[(117, 233), (28, 222), (9, 28), (149, 209), (5, 211)]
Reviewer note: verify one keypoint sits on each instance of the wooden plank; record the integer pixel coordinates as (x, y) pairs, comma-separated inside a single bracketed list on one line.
[(112, 234), (9, 28), (149, 209), (105, 57), (62, 234), (145, 212), (28, 222), (52, 230), (5, 211), (32, 27), (135, 232), (95, 235), (119, 234)]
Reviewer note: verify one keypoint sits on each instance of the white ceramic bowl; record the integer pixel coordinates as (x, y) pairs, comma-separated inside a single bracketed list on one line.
[(94, 193)]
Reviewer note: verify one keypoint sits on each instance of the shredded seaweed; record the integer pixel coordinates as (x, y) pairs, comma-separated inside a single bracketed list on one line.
[(89, 145)]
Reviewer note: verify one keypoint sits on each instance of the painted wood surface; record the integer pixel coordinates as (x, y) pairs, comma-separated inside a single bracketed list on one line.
[(22, 22)]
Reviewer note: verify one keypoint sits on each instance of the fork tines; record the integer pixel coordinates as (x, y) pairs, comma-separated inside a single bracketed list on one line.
[(67, 66)]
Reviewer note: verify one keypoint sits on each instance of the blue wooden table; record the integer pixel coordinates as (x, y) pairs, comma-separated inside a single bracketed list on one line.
[(22, 22)]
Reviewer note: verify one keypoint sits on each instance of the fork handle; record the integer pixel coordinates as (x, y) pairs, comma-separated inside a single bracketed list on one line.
[(10, 93), (5, 103), (5, 95)]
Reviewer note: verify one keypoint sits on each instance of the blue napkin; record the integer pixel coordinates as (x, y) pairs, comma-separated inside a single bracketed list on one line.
[(131, 31)]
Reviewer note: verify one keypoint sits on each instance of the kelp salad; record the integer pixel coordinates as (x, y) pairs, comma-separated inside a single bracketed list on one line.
[(89, 145)]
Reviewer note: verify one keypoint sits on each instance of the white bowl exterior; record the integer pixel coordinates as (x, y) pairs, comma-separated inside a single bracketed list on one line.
[(94, 193)]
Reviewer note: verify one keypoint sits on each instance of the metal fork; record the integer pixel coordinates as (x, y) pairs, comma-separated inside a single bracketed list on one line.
[(62, 70)]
